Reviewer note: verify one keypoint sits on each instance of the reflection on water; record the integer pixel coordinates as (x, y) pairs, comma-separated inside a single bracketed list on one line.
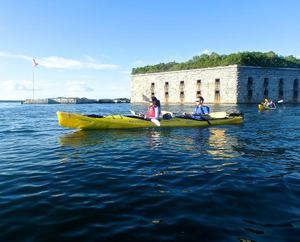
[(214, 141), (84, 138), (177, 184), (154, 138), (79, 139), (221, 144)]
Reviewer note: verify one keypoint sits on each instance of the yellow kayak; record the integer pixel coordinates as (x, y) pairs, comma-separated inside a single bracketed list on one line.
[(78, 121)]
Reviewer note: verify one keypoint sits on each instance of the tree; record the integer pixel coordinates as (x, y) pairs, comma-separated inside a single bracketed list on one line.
[(264, 59)]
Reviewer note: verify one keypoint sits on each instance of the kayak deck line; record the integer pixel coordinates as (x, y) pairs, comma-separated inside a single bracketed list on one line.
[(79, 121)]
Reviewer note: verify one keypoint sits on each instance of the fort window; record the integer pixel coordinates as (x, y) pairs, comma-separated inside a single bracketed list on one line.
[(295, 96), (250, 93), (280, 84), (295, 90), (166, 86), (217, 96), (217, 84), (280, 89), (198, 85), (266, 82), (166, 97), (181, 87), (181, 96), (295, 86), (152, 87), (198, 88), (280, 94), (266, 93), (249, 89), (250, 83)]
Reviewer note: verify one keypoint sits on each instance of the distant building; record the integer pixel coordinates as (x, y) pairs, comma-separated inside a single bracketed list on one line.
[(60, 100), (122, 100), (73, 100), (225, 84), (40, 101)]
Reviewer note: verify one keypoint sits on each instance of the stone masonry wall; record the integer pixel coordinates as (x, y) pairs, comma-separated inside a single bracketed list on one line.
[(238, 84), (141, 85), (289, 77)]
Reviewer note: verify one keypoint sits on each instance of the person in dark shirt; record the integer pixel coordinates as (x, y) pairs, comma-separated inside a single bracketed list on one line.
[(157, 107)]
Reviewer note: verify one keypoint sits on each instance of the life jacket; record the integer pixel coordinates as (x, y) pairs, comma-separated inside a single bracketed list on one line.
[(199, 111), (151, 112)]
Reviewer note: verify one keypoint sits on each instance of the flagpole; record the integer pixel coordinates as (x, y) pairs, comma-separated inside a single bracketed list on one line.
[(35, 64), (33, 83)]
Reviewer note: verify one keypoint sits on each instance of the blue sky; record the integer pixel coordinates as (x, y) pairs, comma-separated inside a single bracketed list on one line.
[(88, 48)]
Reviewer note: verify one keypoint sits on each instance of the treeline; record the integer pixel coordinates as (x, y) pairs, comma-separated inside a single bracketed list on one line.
[(264, 59)]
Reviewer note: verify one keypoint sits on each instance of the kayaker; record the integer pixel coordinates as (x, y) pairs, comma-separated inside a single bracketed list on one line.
[(266, 103), (157, 107), (151, 111), (272, 104), (200, 110)]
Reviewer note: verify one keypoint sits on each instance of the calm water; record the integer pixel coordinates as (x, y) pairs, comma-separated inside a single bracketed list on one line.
[(226, 183)]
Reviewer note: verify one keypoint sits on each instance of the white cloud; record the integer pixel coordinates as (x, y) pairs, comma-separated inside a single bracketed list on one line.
[(9, 55), (100, 66), (206, 51), (79, 87), (11, 85), (57, 62)]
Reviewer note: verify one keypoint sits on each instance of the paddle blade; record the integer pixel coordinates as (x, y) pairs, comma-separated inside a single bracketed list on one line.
[(155, 121), (132, 112), (217, 115), (280, 101), (145, 98)]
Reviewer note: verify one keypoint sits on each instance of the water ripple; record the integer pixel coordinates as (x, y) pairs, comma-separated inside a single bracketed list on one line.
[(227, 183)]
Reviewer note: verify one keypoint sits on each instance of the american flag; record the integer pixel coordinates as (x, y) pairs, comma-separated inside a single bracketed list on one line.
[(34, 63)]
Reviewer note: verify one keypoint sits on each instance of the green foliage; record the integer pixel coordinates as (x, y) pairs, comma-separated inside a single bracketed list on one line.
[(264, 59)]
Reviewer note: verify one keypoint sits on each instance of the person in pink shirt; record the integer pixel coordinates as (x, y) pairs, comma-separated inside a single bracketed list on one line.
[(151, 111)]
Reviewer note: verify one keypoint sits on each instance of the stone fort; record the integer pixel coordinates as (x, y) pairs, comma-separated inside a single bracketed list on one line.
[(223, 84)]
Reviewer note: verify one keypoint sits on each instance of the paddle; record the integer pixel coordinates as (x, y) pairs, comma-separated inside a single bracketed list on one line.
[(145, 98), (217, 115), (153, 120), (210, 115), (280, 101), (133, 113), (203, 118)]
